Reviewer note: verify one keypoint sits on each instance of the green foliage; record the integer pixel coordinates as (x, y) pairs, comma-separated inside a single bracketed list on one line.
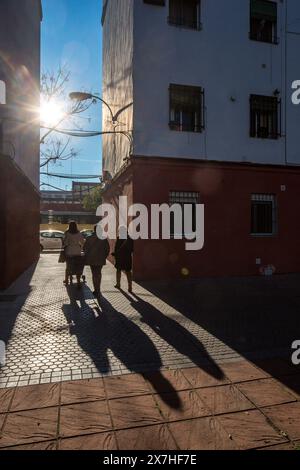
[(93, 199)]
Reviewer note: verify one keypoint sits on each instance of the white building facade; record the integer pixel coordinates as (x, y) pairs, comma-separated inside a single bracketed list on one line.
[(207, 91)]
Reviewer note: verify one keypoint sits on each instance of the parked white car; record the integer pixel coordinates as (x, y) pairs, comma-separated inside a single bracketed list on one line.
[(51, 240)]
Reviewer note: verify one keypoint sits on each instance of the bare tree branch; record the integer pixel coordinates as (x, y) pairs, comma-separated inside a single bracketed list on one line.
[(53, 87)]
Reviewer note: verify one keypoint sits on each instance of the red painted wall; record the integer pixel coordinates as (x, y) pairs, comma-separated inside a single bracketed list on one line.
[(19, 222), (225, 190)]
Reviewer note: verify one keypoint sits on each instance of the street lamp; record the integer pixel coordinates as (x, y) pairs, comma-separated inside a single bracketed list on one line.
[(81, 96)]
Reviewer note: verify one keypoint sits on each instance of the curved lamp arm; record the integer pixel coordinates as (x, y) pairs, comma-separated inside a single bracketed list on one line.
[(81, 96)]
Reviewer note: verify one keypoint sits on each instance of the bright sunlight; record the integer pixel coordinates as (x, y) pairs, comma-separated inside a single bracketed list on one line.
[(51, 113)]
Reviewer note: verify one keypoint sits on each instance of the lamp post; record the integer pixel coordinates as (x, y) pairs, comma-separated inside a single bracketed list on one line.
[(80, 96)]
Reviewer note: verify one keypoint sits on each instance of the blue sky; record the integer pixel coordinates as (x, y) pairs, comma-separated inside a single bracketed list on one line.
[(71, 35)]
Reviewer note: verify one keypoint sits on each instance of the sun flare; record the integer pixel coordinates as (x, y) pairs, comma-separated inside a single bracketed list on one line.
[(51, 113)]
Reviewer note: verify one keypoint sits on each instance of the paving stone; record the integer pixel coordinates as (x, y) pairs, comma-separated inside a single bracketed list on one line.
[(242, 371), (201, 434), (84, 418), (5, 399), (29, 426), (286, 418), (181, 405), (224, 399), (82, 391), (280, 447), (47, 445), (266, 392), (147, 438), (134, 411), (125, 386), (186, 325), (277, 367), (210, 376), (250, 430), (167, 381), (103, 441), (293, 384), (2, 418), (32, 397)]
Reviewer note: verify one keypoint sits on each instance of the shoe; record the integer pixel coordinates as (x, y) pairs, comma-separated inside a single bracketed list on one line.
[(117, 287), (97, 293), (130, 291)]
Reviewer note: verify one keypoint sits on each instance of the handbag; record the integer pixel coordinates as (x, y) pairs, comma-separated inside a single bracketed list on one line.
[(62, 256)]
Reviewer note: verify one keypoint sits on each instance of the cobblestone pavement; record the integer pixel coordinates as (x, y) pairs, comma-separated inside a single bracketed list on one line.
[(55, 334)]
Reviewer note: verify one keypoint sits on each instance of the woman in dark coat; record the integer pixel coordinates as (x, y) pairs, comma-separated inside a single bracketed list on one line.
[(123, 255)]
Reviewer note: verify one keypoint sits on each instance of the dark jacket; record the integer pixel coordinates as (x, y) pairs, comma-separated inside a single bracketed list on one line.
[(123, 254), (96, 251)]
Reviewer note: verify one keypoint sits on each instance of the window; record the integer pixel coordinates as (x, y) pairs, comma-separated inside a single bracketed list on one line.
[(185, 13), (57, 235), (182, 198), (186, 108), (46, 234), (265, 117), (263, 214), (263, 21)]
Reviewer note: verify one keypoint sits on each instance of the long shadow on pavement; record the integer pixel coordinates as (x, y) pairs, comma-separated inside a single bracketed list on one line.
[(253, 316), (103, 328), (175, 335)]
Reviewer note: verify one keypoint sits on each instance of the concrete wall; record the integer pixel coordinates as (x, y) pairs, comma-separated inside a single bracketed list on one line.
[(20, 23), (117, 79)]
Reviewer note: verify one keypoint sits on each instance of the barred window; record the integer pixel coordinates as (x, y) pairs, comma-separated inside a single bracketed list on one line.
[(265, 117), (182, 198), (263, 214), (185, 13), (186, 108), (263, 21)]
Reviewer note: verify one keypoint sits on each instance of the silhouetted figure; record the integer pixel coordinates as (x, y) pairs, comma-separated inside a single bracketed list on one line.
[(73, 243), (123, 255), (96, 251)]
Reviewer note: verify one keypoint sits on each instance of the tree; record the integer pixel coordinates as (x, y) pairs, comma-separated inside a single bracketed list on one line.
[(93, 199), (53, 90)]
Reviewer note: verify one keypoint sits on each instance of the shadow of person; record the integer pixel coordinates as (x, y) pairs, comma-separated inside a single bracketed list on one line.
[(175, 335), (105, 334)]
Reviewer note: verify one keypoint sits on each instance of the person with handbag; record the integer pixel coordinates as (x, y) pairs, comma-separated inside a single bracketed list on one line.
[(73, 244), (123, 256), (96, 251)]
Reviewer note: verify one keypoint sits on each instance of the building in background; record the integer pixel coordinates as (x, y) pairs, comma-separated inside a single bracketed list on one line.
[(60, 207), (212, 122), (20, 23)]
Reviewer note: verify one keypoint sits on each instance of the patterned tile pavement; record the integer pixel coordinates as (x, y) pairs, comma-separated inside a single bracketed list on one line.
[(54, 334), (180, 409)]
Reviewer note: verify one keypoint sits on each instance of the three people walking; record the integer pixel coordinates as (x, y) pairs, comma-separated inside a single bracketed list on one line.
[(94, 252)]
